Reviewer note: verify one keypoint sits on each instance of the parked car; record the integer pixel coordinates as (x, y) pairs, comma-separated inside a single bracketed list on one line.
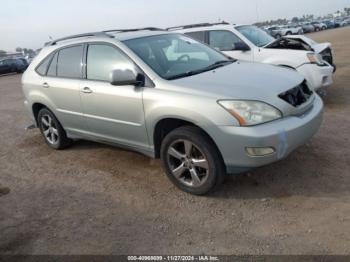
[(169, 96), (11, 65), (319, 26), (247, 42), (307, 27), (329, 23), (279, 31), (346, 22)]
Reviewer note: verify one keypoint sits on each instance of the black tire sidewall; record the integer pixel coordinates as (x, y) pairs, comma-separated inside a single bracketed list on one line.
[(217, 170)]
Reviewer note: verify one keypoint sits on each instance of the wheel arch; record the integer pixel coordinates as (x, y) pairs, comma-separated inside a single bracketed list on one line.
[(166, 125)]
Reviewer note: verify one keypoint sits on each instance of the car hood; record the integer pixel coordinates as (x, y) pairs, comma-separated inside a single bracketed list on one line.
[(242, 80), (316, 47)]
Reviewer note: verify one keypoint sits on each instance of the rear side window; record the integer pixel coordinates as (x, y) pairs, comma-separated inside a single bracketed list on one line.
[(102, 59), (69, 62), (200, 36), (53, 66), (42, 68)]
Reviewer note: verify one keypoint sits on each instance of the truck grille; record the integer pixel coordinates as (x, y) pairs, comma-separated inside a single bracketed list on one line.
[(297, 95)]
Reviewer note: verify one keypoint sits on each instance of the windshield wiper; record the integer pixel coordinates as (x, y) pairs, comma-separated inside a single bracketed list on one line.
[(217, 64)]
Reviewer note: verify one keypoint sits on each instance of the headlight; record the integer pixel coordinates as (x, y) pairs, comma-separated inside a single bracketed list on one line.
[(315, 58), (250, 113)]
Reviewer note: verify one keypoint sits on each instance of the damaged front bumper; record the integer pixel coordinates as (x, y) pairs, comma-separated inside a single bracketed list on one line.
[(317, 76)]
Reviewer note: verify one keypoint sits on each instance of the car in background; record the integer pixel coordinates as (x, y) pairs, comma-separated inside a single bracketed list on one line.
[(329, 23), (319, 26), (346, 22), (307, 27), (13, 65), (250, 43), (279, 31)]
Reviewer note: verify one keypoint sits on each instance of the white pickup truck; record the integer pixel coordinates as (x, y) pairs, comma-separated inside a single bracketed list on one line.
[(246, 42)]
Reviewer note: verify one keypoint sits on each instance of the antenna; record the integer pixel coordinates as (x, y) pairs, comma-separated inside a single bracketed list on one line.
[(257, 10)]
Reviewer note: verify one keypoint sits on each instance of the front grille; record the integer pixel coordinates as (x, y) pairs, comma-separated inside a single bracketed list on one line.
[(297, 95), (327, 55)]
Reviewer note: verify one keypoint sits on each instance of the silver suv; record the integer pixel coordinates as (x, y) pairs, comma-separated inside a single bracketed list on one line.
[(168, 96)]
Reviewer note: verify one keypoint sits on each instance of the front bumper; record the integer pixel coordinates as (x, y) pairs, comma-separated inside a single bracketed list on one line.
[(284, 135), (317, 76)]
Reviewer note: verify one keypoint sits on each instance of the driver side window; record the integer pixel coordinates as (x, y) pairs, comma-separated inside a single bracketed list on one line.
[(223, 40), (102, 59)]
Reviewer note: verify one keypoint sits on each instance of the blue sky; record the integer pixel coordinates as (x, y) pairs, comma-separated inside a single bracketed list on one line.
[(29, 23)]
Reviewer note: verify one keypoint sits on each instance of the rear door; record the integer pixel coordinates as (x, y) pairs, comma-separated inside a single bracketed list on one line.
[(112, 113), (62, 83)]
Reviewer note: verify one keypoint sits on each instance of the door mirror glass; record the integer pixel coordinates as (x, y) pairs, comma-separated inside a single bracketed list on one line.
[(125, 77), (240, 46)]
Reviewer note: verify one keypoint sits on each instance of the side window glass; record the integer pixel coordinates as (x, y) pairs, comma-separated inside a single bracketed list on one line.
[(223, 40), (200, 36), (103, 59), (69, 62), (53, 66), (42, 68)]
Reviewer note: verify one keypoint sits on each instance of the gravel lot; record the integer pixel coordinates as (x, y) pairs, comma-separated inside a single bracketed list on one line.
[(96, 199)]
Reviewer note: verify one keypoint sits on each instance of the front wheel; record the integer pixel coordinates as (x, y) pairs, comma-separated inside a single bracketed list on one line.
[(192, 161), (52, 130)]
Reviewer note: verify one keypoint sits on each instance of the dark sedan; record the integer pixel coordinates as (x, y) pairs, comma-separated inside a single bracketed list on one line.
[(12, 65)]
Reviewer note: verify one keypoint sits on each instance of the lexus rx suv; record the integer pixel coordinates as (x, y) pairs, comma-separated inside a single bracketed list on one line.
[(171, 97)]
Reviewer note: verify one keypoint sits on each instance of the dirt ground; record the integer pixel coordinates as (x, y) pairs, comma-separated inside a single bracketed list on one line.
[(96, 199)]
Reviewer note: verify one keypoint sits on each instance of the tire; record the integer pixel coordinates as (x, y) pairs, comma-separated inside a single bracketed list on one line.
[(199, 169), (288, 33), (52, 131), (278, 36)]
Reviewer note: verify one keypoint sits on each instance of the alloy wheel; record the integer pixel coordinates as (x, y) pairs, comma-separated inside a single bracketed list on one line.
[(49, 129), (187, 163)]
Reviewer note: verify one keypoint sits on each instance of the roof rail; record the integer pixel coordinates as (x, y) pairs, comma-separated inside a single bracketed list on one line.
[(133, 30), (99, 34), (196, 25)]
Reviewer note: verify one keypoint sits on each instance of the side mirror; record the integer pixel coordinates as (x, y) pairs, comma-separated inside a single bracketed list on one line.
[(126, 77), (240, 46)]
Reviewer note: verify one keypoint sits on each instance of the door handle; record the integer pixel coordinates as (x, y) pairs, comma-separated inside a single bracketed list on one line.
[(87, 90), (46, 85)]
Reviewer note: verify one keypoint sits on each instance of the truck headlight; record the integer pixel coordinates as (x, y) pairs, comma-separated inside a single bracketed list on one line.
[(315, 58), (250, 113)]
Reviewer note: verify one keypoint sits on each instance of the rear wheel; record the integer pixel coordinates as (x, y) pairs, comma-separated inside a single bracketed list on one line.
[(52, 130), (192, 161)]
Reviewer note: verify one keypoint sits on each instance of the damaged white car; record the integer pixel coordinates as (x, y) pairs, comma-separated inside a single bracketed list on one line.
[(246, 42)]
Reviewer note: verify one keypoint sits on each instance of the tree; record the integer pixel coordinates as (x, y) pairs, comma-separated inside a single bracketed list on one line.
[(18, 49), (295, 20), (347, 10), (2, 53)]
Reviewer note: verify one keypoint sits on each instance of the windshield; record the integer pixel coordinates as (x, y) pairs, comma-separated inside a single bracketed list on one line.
[(174, 56), (257, 36)]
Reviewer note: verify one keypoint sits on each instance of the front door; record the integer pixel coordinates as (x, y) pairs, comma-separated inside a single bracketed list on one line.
[(228, 43), (112, 113)]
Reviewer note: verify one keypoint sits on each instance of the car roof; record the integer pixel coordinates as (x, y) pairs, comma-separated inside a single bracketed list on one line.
[(118, 34), (137, 34), (200, 27)]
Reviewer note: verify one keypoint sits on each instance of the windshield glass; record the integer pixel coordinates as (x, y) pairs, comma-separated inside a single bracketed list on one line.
[(257, 36), (174, 56)]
